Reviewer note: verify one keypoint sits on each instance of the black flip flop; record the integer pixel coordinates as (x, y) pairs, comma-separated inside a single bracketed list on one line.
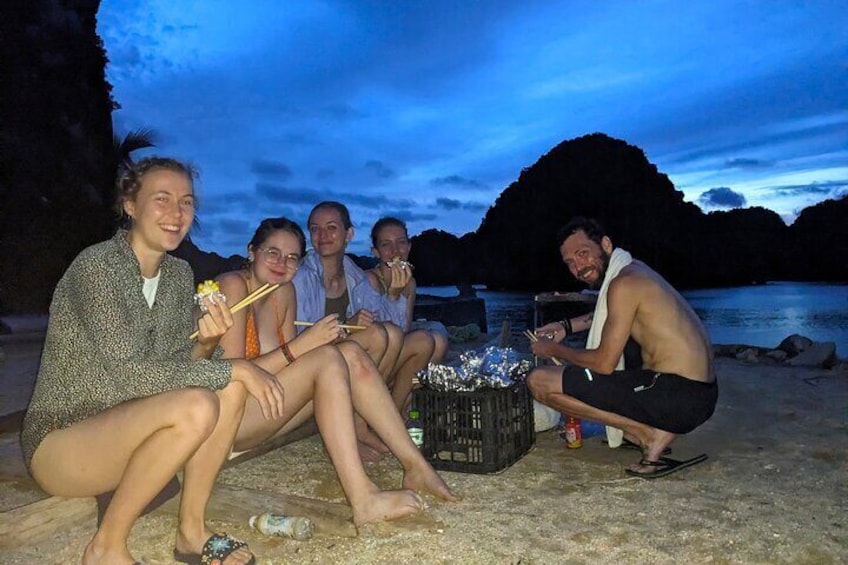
[(664, 466)]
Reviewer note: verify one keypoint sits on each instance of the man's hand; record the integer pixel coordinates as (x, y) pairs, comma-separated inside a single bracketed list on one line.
[(544, 346), (262, 386), (553, 331)]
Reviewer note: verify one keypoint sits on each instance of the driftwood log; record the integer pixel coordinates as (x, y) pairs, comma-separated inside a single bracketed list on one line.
[(37, 521)]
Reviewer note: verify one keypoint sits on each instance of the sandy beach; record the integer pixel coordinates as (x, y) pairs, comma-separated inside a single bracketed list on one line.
[(774, 490)]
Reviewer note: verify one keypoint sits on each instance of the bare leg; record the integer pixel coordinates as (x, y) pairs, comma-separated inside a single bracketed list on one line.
[(375, 341), (319, 381), (417, 350), (202, 469), (134, 448), (372, 400), (440, 342), (387, 366), (546, 385)]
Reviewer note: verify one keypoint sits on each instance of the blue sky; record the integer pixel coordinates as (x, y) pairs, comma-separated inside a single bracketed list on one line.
[(429, 110)]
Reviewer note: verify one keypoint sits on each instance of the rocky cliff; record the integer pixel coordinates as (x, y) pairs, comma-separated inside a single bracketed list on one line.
[(55, 144)]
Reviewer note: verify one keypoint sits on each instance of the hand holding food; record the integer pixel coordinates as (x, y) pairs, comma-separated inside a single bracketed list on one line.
[(212, 291), (401, 272)]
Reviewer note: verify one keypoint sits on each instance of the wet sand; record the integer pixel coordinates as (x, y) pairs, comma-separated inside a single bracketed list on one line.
[(774, 490)]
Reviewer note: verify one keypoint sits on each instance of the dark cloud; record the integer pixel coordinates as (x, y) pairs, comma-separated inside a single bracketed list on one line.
[(456, 180), (380, 169), (743, 163), (826, 188), (275, 169), (721, 197), (453, 204)]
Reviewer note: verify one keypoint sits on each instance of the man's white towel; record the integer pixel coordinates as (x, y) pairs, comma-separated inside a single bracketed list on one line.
[(618, 260)]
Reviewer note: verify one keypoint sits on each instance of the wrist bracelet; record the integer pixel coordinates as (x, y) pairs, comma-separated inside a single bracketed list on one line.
[(284, 348), (566, 325)]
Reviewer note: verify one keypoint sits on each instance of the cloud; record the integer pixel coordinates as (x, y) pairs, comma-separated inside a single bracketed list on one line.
[(743, 163), (267, 168), (456, 180), (721, 197), (834, 188), (379, 169)]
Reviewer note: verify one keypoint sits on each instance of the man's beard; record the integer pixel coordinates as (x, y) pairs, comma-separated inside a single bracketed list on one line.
[(605, 261)]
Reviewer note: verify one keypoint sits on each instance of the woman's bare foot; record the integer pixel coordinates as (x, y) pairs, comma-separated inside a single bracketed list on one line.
[(95, 553), (367, 453), (381, 506), (424, 478), (366, 436)]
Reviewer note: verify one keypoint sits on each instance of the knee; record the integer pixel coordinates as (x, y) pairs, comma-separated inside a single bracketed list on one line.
[(199, 410), (359, 363), (332, 358), (394, 334), (536, 382)]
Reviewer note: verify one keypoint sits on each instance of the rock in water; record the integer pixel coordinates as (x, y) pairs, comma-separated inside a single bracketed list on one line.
[(795, 344), (819, 354)]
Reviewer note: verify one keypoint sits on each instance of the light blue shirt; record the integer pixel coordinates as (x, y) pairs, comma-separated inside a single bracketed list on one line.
[(311, 294)]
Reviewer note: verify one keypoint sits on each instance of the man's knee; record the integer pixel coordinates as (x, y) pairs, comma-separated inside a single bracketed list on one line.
[(543, 381)]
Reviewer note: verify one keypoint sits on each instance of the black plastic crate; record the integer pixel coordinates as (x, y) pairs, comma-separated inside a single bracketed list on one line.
[(483, 431)]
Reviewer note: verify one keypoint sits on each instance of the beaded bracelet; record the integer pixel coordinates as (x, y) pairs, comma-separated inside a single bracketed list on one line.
[(284, 348), (566, 325)]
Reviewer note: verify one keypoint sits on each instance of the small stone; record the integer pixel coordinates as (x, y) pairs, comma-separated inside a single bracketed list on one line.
[(749, 355)]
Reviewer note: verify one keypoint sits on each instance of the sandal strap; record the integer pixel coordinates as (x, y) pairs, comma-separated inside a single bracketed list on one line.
[(219, 546)]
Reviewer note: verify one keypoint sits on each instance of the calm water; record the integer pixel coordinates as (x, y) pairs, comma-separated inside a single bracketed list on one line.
[(754, 315)]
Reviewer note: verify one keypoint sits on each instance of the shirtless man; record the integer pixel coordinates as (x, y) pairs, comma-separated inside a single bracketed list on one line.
[(675, 390)]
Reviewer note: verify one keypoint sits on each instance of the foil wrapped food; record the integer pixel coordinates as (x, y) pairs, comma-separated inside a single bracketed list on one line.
[(490, 367)]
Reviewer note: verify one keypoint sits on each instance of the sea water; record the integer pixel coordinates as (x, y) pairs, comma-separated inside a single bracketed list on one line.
[(760, 315)]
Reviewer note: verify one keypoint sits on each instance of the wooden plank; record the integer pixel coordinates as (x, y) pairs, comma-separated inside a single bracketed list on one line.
[(41, 520), (37, 521), (237, 504)]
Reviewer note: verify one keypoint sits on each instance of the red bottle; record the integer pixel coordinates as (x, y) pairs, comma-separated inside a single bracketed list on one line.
[(573, 434)]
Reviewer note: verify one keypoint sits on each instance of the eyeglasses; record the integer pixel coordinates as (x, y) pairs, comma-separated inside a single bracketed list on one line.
[(276, 257)]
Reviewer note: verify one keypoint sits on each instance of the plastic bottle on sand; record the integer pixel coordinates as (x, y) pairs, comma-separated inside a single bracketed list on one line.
[(295, 527), (415, 428)]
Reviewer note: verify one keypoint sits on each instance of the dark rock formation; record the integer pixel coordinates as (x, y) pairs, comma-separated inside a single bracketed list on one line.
[(818, 243), (206, 265), (605, 178), (55, 141)]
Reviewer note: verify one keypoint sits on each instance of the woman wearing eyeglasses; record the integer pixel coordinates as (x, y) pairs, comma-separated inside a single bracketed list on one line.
[(315, 381)]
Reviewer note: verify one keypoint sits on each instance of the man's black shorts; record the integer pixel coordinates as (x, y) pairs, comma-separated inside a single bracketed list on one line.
[(662, 400)]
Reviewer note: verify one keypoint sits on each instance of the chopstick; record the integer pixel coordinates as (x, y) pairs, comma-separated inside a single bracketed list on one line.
[(342, 326), (260, 292), (532, 337)]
